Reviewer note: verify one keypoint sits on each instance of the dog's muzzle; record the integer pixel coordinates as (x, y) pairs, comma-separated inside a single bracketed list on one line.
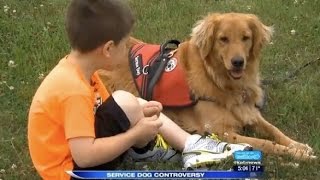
[(237, 67)]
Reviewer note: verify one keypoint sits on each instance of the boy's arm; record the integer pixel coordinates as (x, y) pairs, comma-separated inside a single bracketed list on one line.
[(88, 151)]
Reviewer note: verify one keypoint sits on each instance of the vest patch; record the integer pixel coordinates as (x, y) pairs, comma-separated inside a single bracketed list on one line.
[(171, 65)]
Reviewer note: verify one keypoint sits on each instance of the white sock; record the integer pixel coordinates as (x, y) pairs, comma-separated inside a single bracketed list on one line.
[(191, 140)]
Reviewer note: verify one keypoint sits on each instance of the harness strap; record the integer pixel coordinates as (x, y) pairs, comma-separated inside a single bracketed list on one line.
[(158, 69), (158, 74)]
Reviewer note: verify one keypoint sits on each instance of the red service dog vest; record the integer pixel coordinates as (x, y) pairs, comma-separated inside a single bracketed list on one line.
[(159, 76)]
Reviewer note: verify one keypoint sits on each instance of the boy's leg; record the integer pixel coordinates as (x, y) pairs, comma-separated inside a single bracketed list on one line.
[(130, 106), (116, 115), (197, 150), (172, 133), (192, 146)]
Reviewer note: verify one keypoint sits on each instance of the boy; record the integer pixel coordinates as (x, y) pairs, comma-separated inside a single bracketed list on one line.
[(75, 124)]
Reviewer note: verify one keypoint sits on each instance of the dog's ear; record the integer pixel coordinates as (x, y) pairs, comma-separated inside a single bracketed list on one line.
[(203, 34), (261, 33)]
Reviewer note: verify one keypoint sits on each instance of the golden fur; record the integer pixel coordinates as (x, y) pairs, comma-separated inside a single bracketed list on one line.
[(216, 42)]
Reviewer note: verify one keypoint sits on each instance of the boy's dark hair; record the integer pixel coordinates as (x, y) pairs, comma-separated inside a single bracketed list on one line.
[(91, 23)]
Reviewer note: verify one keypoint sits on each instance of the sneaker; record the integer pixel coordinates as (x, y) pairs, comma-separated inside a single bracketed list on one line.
[(201, 151), (160, 152)]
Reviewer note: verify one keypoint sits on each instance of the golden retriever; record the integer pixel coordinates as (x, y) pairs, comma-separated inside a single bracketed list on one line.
[(221, 63)]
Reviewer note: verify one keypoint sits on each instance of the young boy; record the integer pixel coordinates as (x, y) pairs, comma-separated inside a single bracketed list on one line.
[(75, 124)]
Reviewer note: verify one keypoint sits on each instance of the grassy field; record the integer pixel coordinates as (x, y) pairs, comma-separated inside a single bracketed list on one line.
[(32, 40)]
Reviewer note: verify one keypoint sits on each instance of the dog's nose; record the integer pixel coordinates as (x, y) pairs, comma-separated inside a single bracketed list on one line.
[(237, 61)]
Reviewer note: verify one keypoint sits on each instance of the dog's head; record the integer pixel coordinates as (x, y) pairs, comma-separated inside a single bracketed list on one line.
[(233, 39)]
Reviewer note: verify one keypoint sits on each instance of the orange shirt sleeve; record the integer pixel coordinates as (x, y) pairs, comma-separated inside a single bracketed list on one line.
[(78, 117)]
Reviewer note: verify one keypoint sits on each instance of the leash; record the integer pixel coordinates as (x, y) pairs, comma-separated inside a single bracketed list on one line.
[(206, 98), (290, 75)]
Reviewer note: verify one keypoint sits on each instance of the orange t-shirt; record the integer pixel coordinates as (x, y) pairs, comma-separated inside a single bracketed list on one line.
[(62, 108)]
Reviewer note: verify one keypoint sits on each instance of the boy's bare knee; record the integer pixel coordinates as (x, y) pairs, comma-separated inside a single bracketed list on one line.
[(129, 104), (141, 101), (124, 97)]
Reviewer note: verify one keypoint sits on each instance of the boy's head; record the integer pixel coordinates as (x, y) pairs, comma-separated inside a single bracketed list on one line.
[(92, 23)]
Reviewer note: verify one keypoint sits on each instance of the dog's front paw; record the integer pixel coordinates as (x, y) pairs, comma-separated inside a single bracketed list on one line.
[(302, 147), (301, 154)]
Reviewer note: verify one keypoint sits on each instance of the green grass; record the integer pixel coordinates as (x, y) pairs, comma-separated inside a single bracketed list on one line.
[(33, 37)]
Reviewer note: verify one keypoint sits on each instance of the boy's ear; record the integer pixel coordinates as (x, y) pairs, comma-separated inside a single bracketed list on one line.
[(107, 48)]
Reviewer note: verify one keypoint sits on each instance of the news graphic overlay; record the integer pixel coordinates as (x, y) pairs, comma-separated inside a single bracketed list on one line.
[(247, 164), (248, 161)]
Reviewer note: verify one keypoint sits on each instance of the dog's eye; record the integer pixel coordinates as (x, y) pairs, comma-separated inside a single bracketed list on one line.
[(224, 39), (245, 38)]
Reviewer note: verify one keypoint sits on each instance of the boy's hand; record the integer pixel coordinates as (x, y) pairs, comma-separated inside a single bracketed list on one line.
[(152, 108), (146, 130)]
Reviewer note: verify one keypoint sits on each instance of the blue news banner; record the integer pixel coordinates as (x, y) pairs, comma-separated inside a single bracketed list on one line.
[(247, 164)]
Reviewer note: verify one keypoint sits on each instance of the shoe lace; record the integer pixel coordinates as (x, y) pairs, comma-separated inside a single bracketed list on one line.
[(160, 142), (216, 138), (212, 136)]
